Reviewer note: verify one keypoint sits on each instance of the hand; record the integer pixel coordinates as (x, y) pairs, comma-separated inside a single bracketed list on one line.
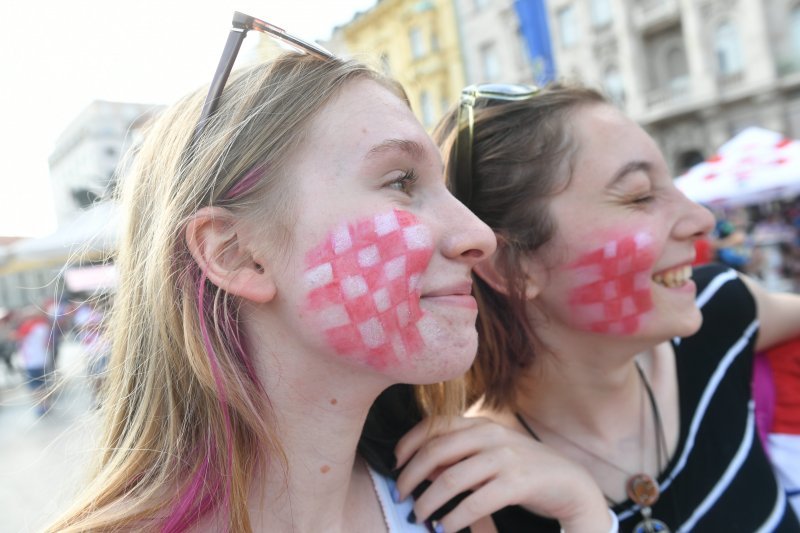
[(501, 467)]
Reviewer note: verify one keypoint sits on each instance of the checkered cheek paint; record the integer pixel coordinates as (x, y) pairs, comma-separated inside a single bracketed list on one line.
[(613, 290), (363, 283)]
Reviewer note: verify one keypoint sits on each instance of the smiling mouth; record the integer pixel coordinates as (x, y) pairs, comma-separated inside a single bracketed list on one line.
[(673, 278)]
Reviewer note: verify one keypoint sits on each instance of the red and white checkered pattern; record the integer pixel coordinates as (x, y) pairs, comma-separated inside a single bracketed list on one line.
[(617, 290), (364, 286)]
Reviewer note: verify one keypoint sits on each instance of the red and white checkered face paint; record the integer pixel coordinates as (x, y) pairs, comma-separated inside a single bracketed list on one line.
[(363, 283), (613, 289)]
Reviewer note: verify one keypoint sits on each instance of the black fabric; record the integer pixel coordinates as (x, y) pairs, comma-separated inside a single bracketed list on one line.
[(719, 478), (392, 415)]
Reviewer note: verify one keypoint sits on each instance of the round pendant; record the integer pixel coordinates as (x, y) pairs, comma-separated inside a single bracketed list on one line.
[(651, 525), (643, 490)]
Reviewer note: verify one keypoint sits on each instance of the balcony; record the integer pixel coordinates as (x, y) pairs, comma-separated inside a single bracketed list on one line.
[(677, 91), (730, 79), (650, 16)]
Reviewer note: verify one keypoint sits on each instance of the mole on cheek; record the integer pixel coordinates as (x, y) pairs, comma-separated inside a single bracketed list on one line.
[(334, 401), (363, 283), (612, 290), (325, 469)]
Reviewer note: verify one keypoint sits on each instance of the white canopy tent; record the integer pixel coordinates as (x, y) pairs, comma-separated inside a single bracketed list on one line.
[(755, 166), (91, 236)]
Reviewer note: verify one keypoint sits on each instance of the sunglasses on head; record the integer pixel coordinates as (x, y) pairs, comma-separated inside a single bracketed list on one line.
[(241, 25), (462, 187)]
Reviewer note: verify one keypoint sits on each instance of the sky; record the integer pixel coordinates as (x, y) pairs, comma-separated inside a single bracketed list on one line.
[(57, 56)]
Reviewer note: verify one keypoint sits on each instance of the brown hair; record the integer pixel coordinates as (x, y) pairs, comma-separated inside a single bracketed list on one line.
[(521, 155)]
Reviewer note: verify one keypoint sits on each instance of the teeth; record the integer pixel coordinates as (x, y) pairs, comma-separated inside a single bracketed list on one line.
[(675, 277)]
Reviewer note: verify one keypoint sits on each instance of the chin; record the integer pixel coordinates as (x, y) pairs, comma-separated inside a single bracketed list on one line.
[(442, 362), (692, 327), (685, 324)]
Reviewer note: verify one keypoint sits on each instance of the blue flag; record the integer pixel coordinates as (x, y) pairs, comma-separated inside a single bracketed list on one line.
[(533, 22)]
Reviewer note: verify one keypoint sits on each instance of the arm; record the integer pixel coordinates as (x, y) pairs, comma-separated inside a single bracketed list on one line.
[(778, 314), (501, 467)]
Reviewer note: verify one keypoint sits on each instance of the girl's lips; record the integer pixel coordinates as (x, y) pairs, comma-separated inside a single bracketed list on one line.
[(458, 300), (458, 294)]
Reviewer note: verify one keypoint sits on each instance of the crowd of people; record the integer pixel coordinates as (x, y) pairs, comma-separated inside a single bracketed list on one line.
[(31, 339), (762, 241)]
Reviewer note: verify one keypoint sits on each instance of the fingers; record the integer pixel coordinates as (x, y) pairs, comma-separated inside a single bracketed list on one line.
[(500, 467), (484, 501), (466, 475), (425, 430), (466, 438)]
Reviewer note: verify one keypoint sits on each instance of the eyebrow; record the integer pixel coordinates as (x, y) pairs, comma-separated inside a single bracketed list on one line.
[(629, 168), (412, 148)]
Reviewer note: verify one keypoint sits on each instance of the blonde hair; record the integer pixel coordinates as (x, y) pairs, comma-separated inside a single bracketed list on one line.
[(186, 421)]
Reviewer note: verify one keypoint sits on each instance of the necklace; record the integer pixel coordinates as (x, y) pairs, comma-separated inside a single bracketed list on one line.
[(641, 488)]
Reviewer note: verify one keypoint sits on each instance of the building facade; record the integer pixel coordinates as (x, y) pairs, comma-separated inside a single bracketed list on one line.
[(492, 42), (414, 41), (83, 166), (692, 72), (89, 151)]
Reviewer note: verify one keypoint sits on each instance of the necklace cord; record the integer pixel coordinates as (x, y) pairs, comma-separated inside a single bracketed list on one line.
[(660, 438)]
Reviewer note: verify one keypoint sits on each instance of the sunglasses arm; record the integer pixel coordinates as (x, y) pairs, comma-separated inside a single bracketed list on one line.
[(232, 45)]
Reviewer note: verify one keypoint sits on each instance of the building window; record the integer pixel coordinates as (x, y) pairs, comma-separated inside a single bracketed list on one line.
[(677, 70), (426, 107), (490, 64), (434, 42), (795, 34), (726, 46), (614, 86), (601, 13), (417, 43), (567, 26)]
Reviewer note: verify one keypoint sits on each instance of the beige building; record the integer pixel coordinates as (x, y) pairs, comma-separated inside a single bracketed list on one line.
[(416, 42), (693, 72), (88, 152), (492, 44)]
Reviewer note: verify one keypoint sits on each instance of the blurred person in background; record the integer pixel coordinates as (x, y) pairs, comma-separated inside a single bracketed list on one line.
[(776, 390), (55, 309), (34, 337), (730, 245), (8, 343), (88, 327)]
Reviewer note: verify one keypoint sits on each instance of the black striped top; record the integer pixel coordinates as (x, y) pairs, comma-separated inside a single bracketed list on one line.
[(719, 478)]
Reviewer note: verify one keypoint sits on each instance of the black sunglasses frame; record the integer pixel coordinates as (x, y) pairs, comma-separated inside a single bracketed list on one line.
[(241, 25), (462, 186)]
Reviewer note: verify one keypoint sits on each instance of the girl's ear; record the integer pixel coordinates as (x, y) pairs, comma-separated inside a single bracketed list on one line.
[(225, 258), (532, 272)]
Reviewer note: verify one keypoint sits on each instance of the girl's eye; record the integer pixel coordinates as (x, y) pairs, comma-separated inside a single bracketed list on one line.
[(405, 182), (644, 199)]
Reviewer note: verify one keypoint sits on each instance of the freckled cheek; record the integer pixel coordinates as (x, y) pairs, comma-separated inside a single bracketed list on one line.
[(610, 285), (363, 283)]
